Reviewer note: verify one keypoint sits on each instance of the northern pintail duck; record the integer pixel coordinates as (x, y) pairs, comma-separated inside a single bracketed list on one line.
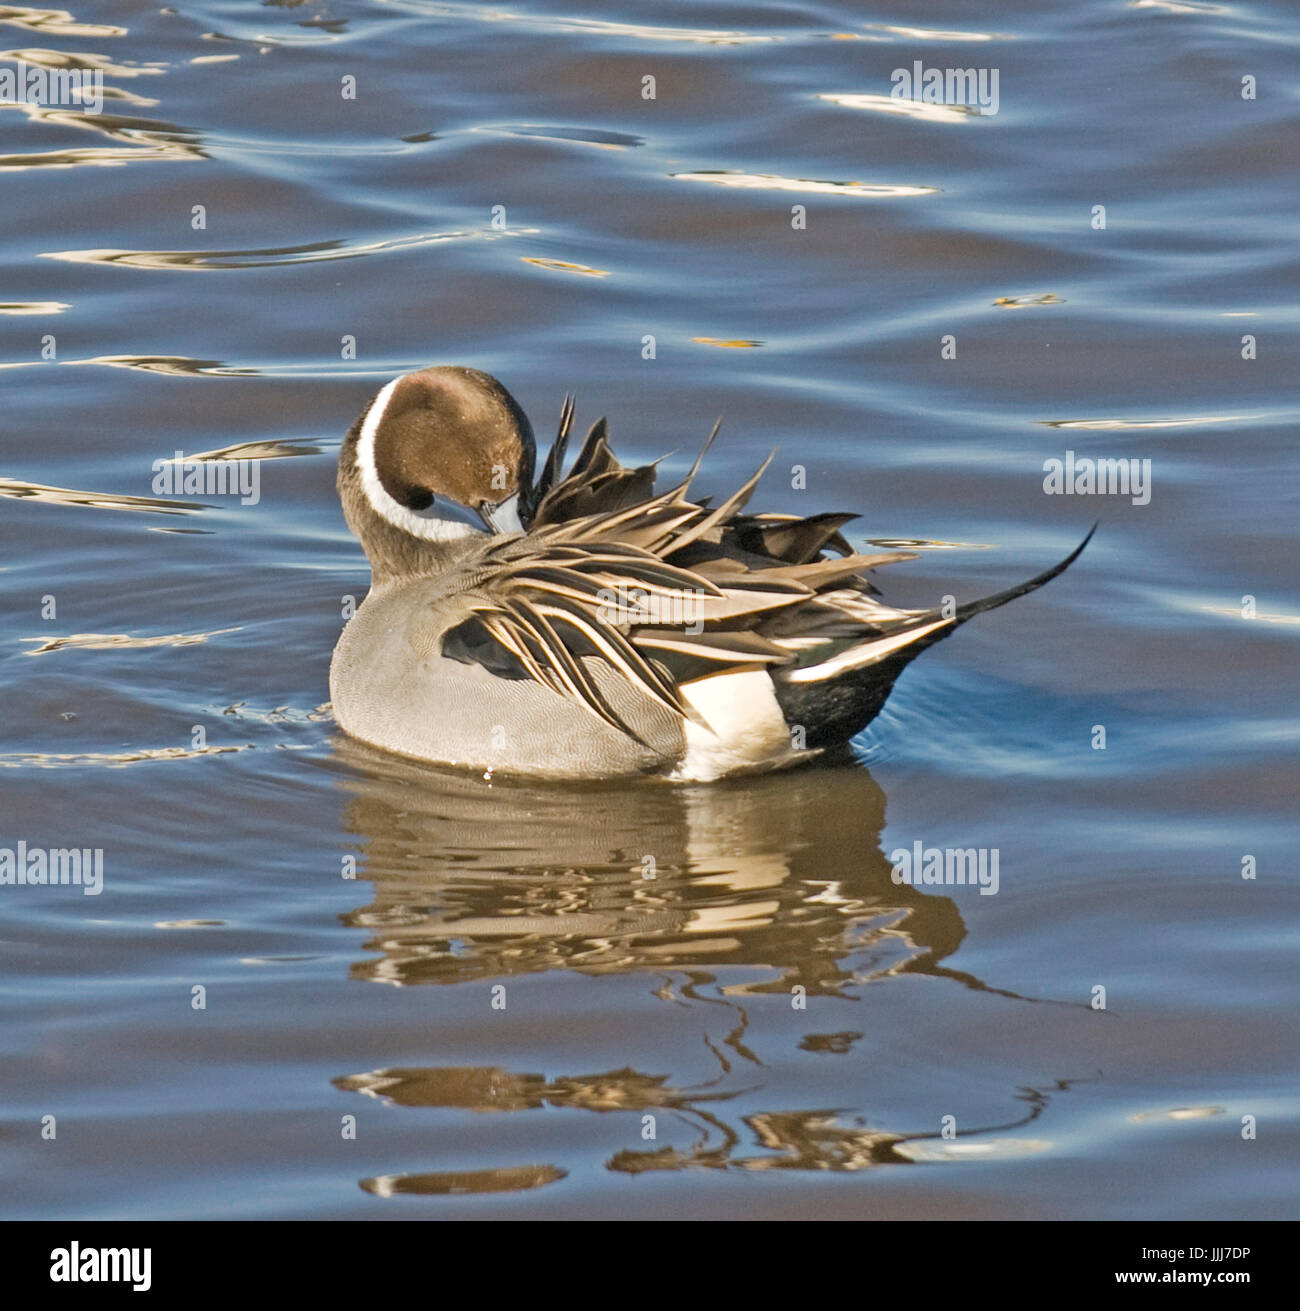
[(583, 626)]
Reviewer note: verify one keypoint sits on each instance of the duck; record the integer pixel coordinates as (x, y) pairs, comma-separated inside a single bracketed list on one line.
[(577, 624)]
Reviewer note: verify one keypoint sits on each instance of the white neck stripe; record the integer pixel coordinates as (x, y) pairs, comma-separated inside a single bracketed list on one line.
[(429, 525)]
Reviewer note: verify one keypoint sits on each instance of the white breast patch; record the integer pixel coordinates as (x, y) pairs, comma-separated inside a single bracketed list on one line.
[(747, 730)]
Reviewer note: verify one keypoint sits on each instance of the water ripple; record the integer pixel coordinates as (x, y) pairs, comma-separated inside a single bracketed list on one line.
[(725, 177), (87, 62), (54, 22), (506, 1179), (948, 36), (1191, 421), (594, 27), (203, 261), (22, 490), (144, 139), (1027, 302), (886, 104), (587, 136), (111, 759), (564, 266), (116, 641)]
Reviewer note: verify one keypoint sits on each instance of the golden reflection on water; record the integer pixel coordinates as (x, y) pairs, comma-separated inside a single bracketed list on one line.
[(821, 1139), (203, 261), (88, 62), (186, 366), (106, 641), (887, 104), (174, 366), (101, 156), (111, 759), (725, 177), (565, 266), (476, 880), (511, 1179), (936, 34), (254, 450), (54, 22), (142, 139), (23, 490), (715, 895), (598, 27), (1027, 302), (1099, 425)]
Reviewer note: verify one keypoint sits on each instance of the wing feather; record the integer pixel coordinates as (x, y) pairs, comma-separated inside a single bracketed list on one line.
[(694, 587)]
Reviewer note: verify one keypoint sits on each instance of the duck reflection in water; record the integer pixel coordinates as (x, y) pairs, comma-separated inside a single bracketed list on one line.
[(481, 880), (767, 885)]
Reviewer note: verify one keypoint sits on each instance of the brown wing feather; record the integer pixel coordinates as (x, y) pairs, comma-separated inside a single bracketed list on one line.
[(661, 588)]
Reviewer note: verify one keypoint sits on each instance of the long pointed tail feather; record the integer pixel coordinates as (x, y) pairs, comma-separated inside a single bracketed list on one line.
[(922, 629), (972, 608), (839, 696)]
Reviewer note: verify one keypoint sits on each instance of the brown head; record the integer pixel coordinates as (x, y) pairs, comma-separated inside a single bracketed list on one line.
[(440, 456)]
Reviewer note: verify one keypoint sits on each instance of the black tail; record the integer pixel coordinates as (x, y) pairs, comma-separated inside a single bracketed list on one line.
[(839, 703), (971, 608)]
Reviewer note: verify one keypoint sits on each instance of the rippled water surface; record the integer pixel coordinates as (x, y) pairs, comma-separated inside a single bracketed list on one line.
[(501, 192)]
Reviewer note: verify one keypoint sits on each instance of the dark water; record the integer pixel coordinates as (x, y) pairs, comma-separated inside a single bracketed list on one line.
[(675, 997)]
